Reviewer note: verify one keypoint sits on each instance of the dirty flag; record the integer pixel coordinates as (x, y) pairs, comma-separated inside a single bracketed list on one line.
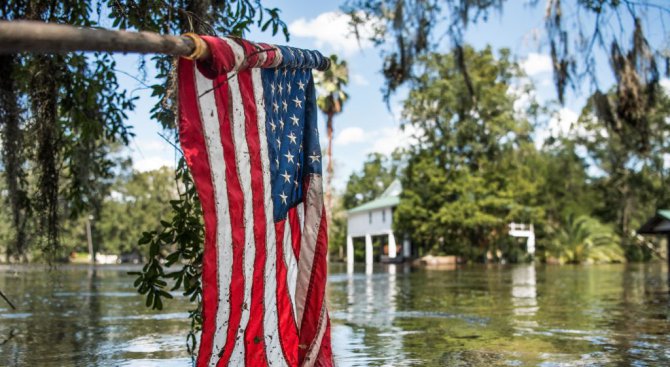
[(248, 130)]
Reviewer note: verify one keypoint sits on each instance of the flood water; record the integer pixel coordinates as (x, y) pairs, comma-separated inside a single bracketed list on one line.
[(394, 316)]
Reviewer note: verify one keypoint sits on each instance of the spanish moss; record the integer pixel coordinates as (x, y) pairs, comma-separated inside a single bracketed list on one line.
[(13, 158)]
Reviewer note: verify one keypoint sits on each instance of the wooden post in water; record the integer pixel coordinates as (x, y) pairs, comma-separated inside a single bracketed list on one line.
[(89, 239)]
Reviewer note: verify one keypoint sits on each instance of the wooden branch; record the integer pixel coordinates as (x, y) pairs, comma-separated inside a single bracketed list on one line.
[(31, 36), (7, 300)]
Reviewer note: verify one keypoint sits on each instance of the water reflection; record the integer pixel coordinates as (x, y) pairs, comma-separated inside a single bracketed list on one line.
[(371, 301), (524, 290), (524, 315), (86, 316), (389, 315)]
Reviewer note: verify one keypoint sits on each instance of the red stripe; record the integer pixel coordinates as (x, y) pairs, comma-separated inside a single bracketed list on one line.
[(325, 356), (195, 151), (236, 210), (221, 60), (316, 291), (254, 336), (288, 330), (270, 54), (296, 234)]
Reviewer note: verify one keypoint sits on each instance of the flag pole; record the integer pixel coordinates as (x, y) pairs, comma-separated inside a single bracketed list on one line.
[(39, 37)]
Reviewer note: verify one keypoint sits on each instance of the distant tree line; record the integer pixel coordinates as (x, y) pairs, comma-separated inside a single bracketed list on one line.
[(475, 166)]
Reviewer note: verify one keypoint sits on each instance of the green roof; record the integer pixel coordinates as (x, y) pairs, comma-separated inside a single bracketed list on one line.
[(650, 227), (383, 202), (390, 197)]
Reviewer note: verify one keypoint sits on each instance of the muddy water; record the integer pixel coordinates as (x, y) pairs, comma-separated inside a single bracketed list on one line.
[(394, 316)]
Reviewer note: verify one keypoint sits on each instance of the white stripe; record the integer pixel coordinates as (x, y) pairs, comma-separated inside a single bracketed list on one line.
[(310, 232), (262, 57), (244, 174), (273, 348), (291, 264), (238, 52), (278, 57), (301, 214), (224, 249)]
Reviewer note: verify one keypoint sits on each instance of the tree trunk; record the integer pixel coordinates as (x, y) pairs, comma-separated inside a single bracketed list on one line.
[(329, 169)]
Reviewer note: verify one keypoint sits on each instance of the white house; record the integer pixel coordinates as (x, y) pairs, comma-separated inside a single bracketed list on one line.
[(375, 218)]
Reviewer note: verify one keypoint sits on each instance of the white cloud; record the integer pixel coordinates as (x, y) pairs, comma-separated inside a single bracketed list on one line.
[(384, 140), (563, 122), (536, 64), (151, 163), (333, 29), (387, 139), (359, 79), (560, 125), (665, 84), (350, 135)]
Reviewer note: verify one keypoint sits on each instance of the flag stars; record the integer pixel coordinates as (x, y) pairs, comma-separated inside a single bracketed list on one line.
[(301, 85), (287, 177), (283, 197), (295, 119), (275, 106), (289, 157), (314, 157), (298, 102), (292, 137), (281, 123), (272, 87), (288, 87), (273, 126), (284, 105), (278, 143), (281, 89)]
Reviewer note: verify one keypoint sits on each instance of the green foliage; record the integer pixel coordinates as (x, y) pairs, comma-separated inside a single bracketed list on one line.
[(578, 34), (69, 110), (136, 206), (466, 179), (331, 85), (632, 183), (178, 242), (584, 239), (377, 174)]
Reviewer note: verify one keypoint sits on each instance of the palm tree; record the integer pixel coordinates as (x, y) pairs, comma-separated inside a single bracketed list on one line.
[(331, 98), (585, 239)]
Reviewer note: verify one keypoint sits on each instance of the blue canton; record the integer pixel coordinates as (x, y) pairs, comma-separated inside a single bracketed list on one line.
[(291, 129)]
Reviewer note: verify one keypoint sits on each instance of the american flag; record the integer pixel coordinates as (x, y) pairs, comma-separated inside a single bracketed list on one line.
[(248, 130)]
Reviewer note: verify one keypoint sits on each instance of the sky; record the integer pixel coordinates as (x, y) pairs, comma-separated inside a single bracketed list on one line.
[(367, 124)]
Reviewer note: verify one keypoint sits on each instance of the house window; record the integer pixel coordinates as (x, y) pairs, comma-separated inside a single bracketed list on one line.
[(370, 217), (384, 216)]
